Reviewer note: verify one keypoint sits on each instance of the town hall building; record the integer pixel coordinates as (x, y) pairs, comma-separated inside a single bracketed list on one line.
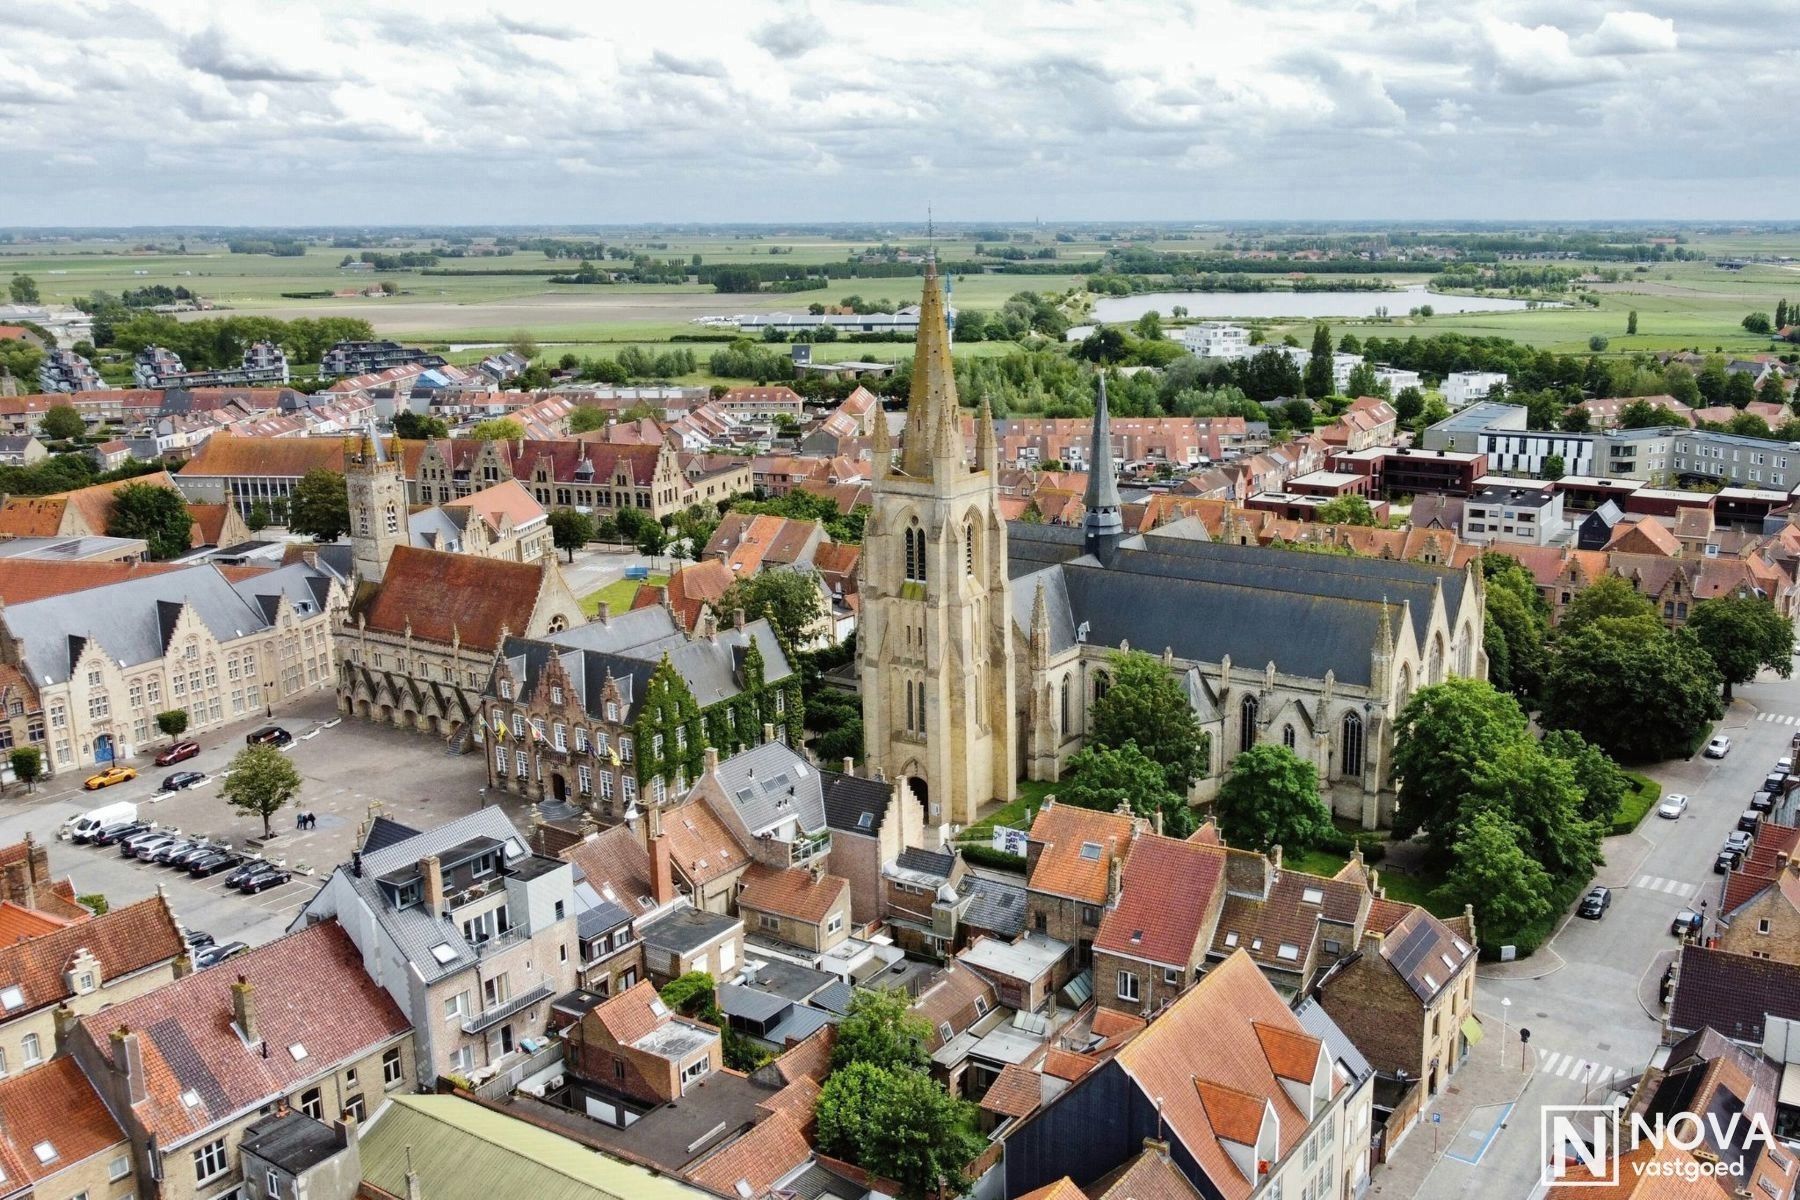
[(983, 645)]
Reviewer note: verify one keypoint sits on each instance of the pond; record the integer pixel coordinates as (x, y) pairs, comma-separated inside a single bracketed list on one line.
[(1211, 305)]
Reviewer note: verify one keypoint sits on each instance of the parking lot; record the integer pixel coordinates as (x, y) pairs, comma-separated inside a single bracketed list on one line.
[(350, 772)]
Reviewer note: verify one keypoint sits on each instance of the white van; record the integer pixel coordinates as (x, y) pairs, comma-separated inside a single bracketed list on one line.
[(89, 823)]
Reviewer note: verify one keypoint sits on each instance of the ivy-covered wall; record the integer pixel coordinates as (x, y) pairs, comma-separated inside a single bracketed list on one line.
[(731, 725)]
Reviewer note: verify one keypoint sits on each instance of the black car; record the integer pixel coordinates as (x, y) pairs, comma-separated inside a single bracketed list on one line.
[(269, 735), (212, 864), (199, 939), (1595, 904), (263, 880), (212, 956), (1748, 821), (113, 833), (249, 867), (1762, 802), (198, 849), (1727, 860), (180, 780), (166, 855)]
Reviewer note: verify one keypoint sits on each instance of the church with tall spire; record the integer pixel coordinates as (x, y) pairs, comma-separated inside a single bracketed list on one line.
[(984, 646)]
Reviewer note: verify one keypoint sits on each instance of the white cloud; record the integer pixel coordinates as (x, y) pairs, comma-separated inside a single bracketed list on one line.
[(1630, 33)]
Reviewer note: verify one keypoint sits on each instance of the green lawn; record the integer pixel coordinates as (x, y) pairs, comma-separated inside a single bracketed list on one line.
[(619, 594), (1405, 887)]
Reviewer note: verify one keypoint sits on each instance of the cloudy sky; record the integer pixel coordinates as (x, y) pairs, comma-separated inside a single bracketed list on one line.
[(522, 111)]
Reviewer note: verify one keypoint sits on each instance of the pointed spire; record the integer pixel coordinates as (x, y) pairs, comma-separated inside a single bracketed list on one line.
[(932, 414), (881, 450), (1102, 527), (1040, 628), (986, 454)]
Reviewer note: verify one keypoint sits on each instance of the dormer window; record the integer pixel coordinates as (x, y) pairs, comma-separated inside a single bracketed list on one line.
[(1090, 851), (506, 689)]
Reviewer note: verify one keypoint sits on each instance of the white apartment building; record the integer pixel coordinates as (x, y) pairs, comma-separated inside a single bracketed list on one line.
[(1396, 379), (1463, 388), (1217, 339), (1522, 516), (1341, 365)]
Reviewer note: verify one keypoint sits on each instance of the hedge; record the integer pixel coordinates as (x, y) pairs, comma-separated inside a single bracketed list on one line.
[(1643, 796), (987, 856), (1374, 845)]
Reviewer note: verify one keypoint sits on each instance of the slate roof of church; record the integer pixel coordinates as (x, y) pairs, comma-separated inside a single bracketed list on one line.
[(1205, 600)]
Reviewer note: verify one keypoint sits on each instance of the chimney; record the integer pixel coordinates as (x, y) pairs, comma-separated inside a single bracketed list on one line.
[(66, 1020), (737, 618), (604, 615), (1156, 822), (345, 1129), (128, 1060), (38, 856), (768, 731), (434, 885), (1115, 869), (1275, 858), (413, 1191), (662, 871), (243, 1008), (18, 887), (712, 760), (356, 863), (849, 765)]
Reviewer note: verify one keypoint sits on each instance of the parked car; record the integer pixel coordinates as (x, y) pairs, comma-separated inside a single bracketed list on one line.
[(1595, 903), (179, 752), (1739, 840), (212, 864), (212, 956), (263, 880), (164, 855), (113, 833), (128, 845), (1672, 806), (82, 828), (199, 939), (146, 850), (1762, 802), (180, 780), (196, 849), (269, 735), (109, 777), (1727, 860), (1687, 922), (248, 867), (1719, 747), (1775, 783), (1748, 821), (1785, 765)]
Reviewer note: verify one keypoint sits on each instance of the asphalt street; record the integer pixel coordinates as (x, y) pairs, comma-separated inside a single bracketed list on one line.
[(1590, 999)]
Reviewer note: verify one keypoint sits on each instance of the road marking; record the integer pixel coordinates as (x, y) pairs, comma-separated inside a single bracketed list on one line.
[(1550, 1061), (1672, 887)]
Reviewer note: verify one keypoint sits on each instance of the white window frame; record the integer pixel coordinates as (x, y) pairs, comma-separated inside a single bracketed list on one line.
[(1128, 987)]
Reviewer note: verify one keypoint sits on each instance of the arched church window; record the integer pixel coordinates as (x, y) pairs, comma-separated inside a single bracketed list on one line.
[(969, 548), (1247, 713), (1353, 746), (1287, 736), (1102, 685), (1067, 692)]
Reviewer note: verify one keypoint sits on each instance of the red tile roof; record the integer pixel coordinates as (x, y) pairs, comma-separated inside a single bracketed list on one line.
[(755, 1161), (122, 941), (700, 846), (18, 923), (508, 500), (54, 1103), (309, 990), (631, 1014), (27, 579), (224, 454), (614, 858), (1169, 895), (1067, 1065), (791, 893), (1063, 868), (1062, 1189), (442, 595), (1015, 1092), (1149, 1176), (957, 997), (82, 511)]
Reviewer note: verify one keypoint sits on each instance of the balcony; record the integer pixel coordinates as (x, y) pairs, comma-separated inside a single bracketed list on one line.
[(490, 1017), (506, 939), (808, 846)]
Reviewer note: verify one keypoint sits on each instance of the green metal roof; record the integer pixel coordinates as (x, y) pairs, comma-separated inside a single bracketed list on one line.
[(463, 1151)]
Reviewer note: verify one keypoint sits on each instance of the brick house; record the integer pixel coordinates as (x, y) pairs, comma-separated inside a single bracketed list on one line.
[(1154, 935), (1406, 998), (58, 1140), (871, 823), (1073, 864), (634, 1046), (57, 975), (796, 905), (187, 1068), (1766, 924)]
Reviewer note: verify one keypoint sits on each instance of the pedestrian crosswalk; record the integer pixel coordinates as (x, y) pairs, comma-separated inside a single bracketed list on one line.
[(1672, 887), (1589, 1073), (1778, 718)]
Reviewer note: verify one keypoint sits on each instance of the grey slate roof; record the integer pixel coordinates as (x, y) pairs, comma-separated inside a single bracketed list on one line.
[(854, 804), (1316, 1021), (131, 619), (994, 905), (294, 1142), (413, 930), (769, 785), (599, 916), (926, 862), (1206, 600), (384, 832)]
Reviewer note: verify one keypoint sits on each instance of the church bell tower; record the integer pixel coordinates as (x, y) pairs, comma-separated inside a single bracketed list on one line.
[(935, 647), (377, 504)]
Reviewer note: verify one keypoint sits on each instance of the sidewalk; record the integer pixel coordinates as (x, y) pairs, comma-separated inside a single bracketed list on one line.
[(1473, 1108)]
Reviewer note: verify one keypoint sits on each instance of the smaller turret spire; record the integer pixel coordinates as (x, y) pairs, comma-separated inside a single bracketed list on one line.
[(986, 457), (1102, 527), (881, 450)]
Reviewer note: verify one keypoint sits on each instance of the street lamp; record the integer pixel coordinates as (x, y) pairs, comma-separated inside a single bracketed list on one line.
[(1505, 1003)]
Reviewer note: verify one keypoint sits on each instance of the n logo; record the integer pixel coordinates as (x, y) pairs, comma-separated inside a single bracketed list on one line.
[(1580, 1145)]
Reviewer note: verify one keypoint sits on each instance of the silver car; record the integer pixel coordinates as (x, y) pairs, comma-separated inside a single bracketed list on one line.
[(1672, 806)]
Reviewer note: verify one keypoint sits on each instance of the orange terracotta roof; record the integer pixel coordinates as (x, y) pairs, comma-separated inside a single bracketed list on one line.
[(700, 846), (442, 595), (309, 990), (123, 940), (791, 893), (1062, 1189), (614, 859), (1169, 894), (508, 500), (1115, 1027), (1078, 846), (1234, 1115), (755, 1162), (956, 997), (209, 522), (631, 1014), (18, 923), (697, 585), (1292, 1053), (809, 1058), (1648, 536), (56, 1104), (1067, 1065), (27, 579), (1149, 1176), (290, 457), (1015, 1092), (1385, 914)]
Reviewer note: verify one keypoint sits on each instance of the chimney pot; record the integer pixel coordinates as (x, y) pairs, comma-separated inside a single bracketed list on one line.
[(768, 731), (712, 760), (737, 618), (434, 885), (849, 765), (662, 871)]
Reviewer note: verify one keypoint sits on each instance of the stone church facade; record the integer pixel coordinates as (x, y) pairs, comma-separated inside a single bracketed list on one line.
[(984, 645)]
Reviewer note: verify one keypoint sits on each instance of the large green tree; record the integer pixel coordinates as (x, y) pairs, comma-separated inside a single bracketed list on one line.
[(159, 515), (1318, 364), (901, 1125), (1607, 597), (1270, 798), (416, 426), (571, 530), (320, 506), (62, 422), (1602, 784), (791, 600), (880, 1030), (1631, 687), (1104, 777), (497, 429), (261, 781), (588, 417), (1518, 623), (1440, 739), (24, 290), (1345, 510), (1144, 703), (1742, 635), (1538, 793), (1492, 871)]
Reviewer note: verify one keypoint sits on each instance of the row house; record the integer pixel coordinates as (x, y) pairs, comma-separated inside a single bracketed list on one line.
[(191, 639)]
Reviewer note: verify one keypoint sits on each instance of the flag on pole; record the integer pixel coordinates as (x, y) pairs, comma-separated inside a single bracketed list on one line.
[(613, 755), (499, 730)]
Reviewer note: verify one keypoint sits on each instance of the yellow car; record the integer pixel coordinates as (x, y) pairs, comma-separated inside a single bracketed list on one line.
[(109, 777)]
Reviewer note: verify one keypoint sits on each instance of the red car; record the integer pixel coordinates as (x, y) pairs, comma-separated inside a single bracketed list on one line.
[(179, 752)]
